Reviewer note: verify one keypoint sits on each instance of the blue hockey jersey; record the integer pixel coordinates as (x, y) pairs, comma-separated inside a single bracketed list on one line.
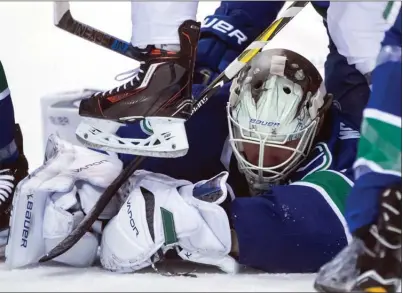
[(292, 228)]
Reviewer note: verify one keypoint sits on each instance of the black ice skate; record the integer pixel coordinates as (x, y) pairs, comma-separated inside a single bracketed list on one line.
[(10, 176), (372, 262), (160, 94)]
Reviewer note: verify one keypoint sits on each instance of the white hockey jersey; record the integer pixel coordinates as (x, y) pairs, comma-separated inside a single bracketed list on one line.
[(357, 29)]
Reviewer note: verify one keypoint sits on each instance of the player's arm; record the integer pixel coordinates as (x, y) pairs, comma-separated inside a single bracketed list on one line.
[(293, 228)]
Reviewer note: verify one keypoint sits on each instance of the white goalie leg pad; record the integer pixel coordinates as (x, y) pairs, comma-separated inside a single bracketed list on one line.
[(59, 223), (168, 138), (157, 216), (47, 203)]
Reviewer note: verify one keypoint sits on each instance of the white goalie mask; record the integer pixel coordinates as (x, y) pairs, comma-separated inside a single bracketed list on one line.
[(276, 104)]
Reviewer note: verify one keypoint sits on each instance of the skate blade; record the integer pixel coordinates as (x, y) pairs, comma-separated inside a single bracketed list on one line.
[(374, 289), (95, 137), (321, 288)]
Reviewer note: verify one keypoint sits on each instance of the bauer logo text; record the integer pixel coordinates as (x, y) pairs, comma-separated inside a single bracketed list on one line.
[(27, 221), (225, 28), (264, 123)]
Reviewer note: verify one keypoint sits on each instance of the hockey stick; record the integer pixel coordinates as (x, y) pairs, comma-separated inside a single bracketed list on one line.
[(251, 51), (64, 20), (233, 69)]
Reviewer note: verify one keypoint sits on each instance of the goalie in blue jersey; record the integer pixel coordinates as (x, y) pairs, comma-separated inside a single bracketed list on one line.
[(279, 156), (277, 151), (289, 153)]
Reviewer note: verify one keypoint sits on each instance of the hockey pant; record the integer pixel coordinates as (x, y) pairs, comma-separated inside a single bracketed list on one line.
[(157, 22)]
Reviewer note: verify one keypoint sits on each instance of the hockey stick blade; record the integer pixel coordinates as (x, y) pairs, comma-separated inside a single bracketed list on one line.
[(96, 210), (252, 50), (64, 20)]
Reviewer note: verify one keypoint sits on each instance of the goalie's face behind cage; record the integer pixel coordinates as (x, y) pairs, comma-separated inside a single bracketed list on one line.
[(276, 105)]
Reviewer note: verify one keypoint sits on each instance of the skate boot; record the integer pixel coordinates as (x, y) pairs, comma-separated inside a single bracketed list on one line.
[(372, 262), (10, 176), (159, 95)]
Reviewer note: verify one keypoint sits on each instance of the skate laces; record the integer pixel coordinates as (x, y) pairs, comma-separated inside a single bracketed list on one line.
[(132, 73), (387, 212), (6, 185), (374, 231)]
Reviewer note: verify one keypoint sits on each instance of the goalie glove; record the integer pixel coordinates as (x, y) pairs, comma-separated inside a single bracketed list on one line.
[(161, 213)]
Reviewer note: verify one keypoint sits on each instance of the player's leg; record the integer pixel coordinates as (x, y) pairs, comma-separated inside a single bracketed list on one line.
[(165, 35), (13, 164), (355, 32), (8, 147), (156, 23), (373, 210), (348, 86)]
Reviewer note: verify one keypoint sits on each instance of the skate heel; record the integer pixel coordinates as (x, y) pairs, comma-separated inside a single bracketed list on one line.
[(167, 138), (109, 126), (89, 131)]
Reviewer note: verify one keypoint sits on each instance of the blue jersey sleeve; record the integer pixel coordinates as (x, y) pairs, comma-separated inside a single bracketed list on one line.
[(292, 229)]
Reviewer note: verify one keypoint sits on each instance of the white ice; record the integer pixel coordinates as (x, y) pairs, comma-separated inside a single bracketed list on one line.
[(40, 59), (56, 279)]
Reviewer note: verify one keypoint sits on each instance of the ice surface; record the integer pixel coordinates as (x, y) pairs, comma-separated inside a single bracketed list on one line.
[(57, 278), (40, 59)]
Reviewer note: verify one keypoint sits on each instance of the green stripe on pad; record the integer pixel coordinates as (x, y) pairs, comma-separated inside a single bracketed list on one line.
[(168, 224)]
